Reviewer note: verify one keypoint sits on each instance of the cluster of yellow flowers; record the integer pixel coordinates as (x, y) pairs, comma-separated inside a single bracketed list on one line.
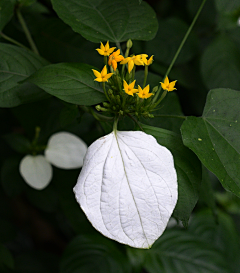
[(141, 59)]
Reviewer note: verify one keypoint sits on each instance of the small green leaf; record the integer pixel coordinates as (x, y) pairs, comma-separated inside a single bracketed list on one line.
[(220, 65), (70, 82), (16, 64), (188, 170), (114, 21), (214, 137), (93, 253), (180, 251), (6, 12), (18, 143)]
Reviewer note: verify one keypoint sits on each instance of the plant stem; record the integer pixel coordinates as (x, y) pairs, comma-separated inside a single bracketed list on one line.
[(171, 116), (96, 115), (180, 47), (105, 92), (12, 41), (27, 32), (119, 46)]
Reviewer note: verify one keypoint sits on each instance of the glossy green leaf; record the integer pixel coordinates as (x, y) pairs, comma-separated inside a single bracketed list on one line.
[(6, 11), (16, 64), (214, 137), (180, 251), (168, 39), (220, 64), (114, 21), (71, 82), (220, 232), (93, 254), (188, 170)]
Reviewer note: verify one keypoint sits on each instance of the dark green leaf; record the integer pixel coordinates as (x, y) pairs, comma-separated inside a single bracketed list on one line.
[(180, 251), (57, 42), (221, 234), (16, 64), (18, 143), (71, 82), (188, 170), (6, 12), (12, 182), (114, 21), (168, 39), (220, 64), (206, 192), (6, 259), (93, 253), (215, 136)]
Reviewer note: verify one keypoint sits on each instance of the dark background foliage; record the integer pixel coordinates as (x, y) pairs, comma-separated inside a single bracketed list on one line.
[(46, 231)]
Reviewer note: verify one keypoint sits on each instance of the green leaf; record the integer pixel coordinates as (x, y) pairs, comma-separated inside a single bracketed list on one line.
[(188, 170), (180, 251), (6, 12), (214, 137), (6, 259), (221, 234), (168, 39), (16, 64), (71, 82), (114, 21), (18, 143), (93, 253), (220, 64), (206, 191)]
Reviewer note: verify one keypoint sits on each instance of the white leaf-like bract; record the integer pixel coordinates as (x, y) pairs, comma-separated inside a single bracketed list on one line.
[(36, 171), (65, 150), (128, 187)]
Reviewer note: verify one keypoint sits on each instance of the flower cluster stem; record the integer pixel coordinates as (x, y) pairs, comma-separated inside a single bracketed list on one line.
[(105, 92), (145, 75), (27, 32)]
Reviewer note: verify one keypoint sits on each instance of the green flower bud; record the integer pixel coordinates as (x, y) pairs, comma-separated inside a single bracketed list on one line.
[(129, 43)]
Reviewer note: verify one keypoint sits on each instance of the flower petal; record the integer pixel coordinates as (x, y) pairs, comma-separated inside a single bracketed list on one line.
[(130, 65), (65, 150), (166, 81), (104, 71), (107, 46), (131, 85), (36, 171), (96, 73), (100, 51)]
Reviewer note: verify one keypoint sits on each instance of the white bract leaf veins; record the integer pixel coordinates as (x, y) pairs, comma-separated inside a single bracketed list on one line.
[(128, 187)]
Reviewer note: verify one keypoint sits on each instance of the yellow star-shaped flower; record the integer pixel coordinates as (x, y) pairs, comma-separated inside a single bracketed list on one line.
[(144, 93), (103, 76), (150, 60), (131, 61), (114, 59), (129, 88), (169, 86), (105, 50)]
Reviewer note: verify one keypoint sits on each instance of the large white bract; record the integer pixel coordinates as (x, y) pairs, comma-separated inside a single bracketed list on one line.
[(128, 187)]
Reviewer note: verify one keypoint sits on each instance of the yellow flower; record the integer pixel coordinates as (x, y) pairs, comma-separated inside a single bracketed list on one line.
[(143, 58), (129, 89), (144, 93), (103, 76), (150, 60), (105, 50), (114, 59), (131, 61), (169, 86)]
